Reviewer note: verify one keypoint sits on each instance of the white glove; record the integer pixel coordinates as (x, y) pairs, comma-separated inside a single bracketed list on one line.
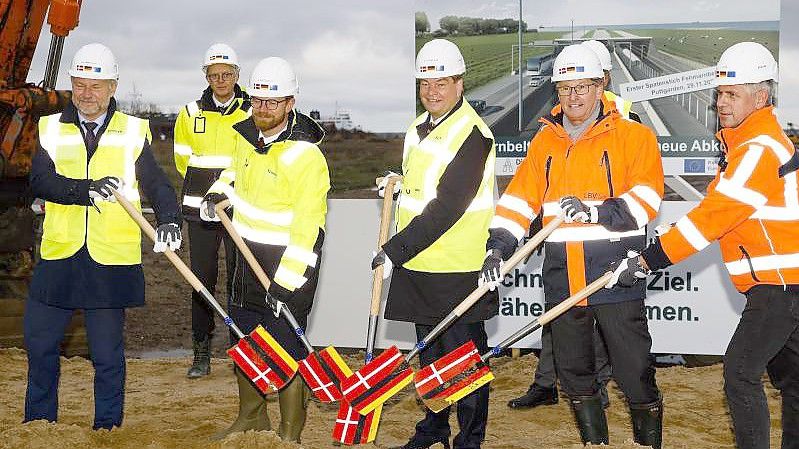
[(381, 258), (628, 271), (100, 189), (381, 186), (490, 273), (577, 211), (167, 235), (207, 212)]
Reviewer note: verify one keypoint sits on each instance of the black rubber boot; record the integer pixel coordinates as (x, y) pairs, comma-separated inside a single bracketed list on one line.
[(419, 442), (202, 358), (591, 420), (534, 397), (252, 409), (648, 423), (293, 399)]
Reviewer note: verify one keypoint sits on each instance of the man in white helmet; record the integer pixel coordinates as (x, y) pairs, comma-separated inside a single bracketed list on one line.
[(204, 138), (623, 106), (752, 209), (604, 173), (443, 211), (277, 184), (91, 248)]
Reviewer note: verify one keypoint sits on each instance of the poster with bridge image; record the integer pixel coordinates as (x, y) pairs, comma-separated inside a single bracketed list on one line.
[(663, 61)]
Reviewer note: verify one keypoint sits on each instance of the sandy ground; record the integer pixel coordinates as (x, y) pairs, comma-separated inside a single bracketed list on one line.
[(166, 410)]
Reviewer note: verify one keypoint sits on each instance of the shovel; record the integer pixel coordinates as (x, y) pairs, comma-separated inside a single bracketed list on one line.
[(258, 355), (388, 373), (462, 371), (322, 370), (351, 427)]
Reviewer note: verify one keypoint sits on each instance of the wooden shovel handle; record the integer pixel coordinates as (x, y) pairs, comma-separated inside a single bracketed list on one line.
[(219, 208), (385, 223)]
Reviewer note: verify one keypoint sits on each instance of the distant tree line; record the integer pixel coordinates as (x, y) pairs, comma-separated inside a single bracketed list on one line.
[(469, 25)]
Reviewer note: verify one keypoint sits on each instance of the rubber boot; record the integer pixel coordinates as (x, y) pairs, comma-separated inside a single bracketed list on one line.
[(591, 420), (648, 423), (252, 409), (293, 399), (202, 357)]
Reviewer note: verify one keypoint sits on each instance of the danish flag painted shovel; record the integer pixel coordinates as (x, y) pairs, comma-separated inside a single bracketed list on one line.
[(462, 371), (351, 427), (322, 370), (389, 372), (261, 358)]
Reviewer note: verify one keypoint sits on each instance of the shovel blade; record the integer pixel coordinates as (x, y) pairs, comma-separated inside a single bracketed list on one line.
[(323, 372), (377, 381), (263, 360), (451, 377), (353, 428)]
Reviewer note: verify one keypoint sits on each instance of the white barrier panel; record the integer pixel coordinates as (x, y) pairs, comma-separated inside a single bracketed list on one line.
[(692, 308)]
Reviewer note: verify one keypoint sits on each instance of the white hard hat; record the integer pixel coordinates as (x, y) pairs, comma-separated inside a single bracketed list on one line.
[(744, 63), (601, 52), (220, 54), (94, 61), (576, 62), (273, 78), (439, 58)]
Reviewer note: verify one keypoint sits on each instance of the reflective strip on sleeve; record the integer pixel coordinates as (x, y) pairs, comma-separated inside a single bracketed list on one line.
[(763, 263), (589, 232), (183, 150), (303, 255), (192, 201), (517, 205), (649, 195), (482, 202), (209, 161), (289, 278), (691, 233), (265, 237), (638, 212), (510, 225)]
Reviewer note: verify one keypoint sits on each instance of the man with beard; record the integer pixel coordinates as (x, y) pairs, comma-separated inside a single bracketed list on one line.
[(277, 184), (204, 138)]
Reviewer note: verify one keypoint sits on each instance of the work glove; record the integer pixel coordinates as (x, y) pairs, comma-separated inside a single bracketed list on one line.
[(627, 272), (381, 258), (276, 297), (210, 200), (490, 273), (167, 235), (100, 189), (577, 211), (381, 186)]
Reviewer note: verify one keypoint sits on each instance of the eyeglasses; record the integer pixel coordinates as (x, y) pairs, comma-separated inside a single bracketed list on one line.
[(226, 76), (580, 89), (269, 103)]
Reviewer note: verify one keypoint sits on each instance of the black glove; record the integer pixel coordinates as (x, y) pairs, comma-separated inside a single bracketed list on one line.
[(167, 235), (627, 272), (100, 189), (381, 258), (210, 200), (277, 296), (576, 210), (490, 273)]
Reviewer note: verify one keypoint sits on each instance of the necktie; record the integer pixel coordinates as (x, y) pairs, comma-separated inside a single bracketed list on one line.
[(91, 138)]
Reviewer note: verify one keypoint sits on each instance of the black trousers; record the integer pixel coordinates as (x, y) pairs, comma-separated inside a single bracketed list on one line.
[(545, 374), (624, 328), (472, 410), (204, 240), (766, 339)]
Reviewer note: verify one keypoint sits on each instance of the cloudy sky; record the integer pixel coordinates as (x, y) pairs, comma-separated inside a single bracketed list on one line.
[(358, 53)]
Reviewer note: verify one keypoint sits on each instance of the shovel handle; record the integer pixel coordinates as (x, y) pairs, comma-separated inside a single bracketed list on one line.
[(550, 315), (147, 228), (478, 293), (257, 269)]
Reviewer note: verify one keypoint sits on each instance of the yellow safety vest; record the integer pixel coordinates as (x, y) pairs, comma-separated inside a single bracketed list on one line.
[(112, 237), (623, 106), (279, 198), (462, 248)]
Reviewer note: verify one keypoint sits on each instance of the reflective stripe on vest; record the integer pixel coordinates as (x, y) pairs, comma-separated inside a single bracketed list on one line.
[(111, 236), (424, 162)]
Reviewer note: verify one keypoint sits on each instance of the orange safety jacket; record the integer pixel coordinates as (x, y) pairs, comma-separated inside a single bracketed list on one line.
[(751, 208), (615, 165)]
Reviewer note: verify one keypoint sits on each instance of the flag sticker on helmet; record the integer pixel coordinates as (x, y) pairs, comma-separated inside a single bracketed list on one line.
[(431, 68), (265, 86), (725, 74), (87, 68), (215, 57), (578, 68)]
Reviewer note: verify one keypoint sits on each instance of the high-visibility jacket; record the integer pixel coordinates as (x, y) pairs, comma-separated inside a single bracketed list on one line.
[(615, 165), (624, 107), (751, 208), (279, 196), (204, 138), (423, 164), (110, 235)]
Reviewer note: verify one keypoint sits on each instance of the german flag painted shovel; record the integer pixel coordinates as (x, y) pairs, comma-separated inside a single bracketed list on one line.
[(351, 427), (389, 372), (261, 358), (322, 370), (462, 371)]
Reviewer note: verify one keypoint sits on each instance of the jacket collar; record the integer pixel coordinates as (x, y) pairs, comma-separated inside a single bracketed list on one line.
[(300, 128), (762, 121), (426, 127), (207, 100)]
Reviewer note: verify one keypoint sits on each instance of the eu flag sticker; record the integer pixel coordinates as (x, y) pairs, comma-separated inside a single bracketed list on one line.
[(695, 166)]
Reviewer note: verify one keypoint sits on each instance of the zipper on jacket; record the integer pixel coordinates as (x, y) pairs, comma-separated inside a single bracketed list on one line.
[(749, 261), (606, 163), (546, 174)]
